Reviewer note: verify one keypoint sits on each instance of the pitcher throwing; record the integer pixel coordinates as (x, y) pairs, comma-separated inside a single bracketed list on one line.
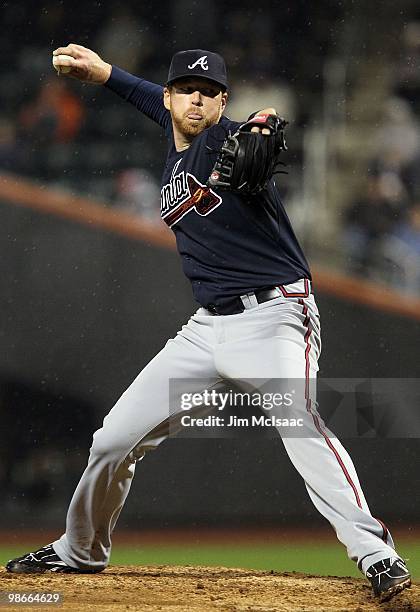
[(257, 317)]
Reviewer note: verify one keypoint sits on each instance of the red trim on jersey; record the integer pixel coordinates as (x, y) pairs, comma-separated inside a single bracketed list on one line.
[(306, 323), (301, 294)]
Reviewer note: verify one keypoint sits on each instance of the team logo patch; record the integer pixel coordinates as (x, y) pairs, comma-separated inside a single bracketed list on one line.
[(183, 194), (202, 62)]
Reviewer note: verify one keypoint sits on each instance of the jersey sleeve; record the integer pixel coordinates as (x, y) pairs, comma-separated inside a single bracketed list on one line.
[(229, 125), (217, 133), (147, 97)]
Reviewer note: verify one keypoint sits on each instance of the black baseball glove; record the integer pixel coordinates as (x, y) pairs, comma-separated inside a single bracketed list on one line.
[(247, 160)]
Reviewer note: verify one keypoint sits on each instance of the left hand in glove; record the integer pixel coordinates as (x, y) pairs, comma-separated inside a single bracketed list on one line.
[(250, 157)]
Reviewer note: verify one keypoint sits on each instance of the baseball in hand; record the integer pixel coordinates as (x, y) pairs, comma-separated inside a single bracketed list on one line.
[(57, 59)]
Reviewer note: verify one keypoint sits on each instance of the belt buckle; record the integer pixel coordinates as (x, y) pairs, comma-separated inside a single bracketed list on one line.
[(212, 308)]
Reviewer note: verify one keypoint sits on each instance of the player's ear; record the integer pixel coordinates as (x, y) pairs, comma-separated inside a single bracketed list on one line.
[(167, 98), (223, 101)]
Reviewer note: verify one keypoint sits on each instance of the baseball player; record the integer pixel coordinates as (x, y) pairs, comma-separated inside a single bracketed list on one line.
[(257, 317)]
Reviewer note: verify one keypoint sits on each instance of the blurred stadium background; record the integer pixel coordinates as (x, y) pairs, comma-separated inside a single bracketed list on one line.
[(92, 287)]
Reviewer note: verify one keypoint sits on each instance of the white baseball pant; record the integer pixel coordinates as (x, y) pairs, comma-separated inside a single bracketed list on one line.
[(279, 339)]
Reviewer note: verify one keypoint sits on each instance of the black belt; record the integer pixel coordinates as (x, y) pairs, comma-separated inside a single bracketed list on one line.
[(238, 304)]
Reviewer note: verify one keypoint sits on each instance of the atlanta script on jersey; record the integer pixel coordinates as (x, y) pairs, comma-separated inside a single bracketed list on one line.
[(183, 194)]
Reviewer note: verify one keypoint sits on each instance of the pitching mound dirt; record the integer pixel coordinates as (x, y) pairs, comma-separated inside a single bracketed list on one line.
[(202, 589)]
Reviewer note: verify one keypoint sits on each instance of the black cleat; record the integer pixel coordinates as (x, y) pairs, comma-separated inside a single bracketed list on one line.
[(43, 560), (388, 577)]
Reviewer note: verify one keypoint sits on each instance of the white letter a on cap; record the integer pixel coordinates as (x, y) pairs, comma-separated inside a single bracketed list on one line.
[(202, 61)]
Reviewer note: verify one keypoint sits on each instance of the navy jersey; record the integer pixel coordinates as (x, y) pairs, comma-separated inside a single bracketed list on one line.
[(229, 244)]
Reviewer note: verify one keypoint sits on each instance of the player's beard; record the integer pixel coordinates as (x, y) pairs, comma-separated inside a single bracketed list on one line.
[(190, 128)]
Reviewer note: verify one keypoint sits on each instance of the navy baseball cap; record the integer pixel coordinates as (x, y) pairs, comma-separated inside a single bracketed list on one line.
[(198, 63)]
